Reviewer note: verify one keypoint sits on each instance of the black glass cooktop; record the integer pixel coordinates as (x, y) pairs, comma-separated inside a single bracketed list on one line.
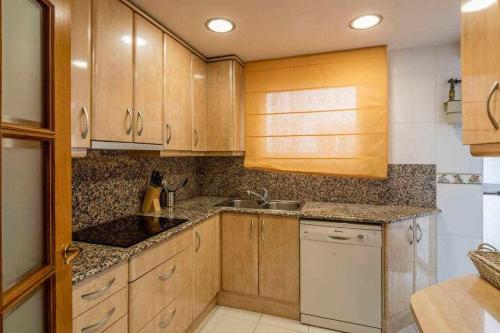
[(126, 231)]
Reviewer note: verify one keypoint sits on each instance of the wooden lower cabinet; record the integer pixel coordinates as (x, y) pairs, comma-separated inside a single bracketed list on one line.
[(240, 253), (206, 264), (410, 260), (279, 258), (103, 315), (260, 264), (175, 318), (425, 252), (120, 326), (151, 293)]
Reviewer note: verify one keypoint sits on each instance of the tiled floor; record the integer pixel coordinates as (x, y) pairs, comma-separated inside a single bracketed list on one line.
[(228, 320)]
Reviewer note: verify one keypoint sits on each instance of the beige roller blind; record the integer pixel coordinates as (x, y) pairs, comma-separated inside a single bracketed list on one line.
[(324, 113)]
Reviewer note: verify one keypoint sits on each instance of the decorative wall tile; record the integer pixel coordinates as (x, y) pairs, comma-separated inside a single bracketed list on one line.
[(457, 178)]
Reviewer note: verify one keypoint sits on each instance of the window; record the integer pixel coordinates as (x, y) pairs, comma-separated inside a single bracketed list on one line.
[(323, 113), (491, 201)]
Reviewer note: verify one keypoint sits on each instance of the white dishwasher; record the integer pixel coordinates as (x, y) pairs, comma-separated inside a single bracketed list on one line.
[(341, 276)]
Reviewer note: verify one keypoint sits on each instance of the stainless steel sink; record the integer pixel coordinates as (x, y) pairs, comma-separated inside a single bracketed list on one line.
[(272, 204), (282, 205), (240, 203)]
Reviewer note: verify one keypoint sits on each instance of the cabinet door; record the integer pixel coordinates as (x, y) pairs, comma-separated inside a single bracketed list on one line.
[(206, 264), (177, 104), (220, 122), (148, 84), (112, 94), (279, 258), (425, 256), (399, 239), (199, 84), (240, 253), (480, 70), (80, 73), (238, 107)]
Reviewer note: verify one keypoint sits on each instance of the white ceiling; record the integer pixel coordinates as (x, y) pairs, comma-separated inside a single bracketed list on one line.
[(278, 28)]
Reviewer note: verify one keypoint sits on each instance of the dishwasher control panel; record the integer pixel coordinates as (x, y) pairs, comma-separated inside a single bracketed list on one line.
[(340, 234)]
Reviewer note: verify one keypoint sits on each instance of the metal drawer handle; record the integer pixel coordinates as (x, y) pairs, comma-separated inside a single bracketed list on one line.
[(195, 137), (262, 230), (100, 323), (419, 233), (165, 277), (251, 228), (169, 136), (99, 292), (197, 235), (85, 130), (164, 323), (129, 116), (141, 118), (494, 122), (411, 234)]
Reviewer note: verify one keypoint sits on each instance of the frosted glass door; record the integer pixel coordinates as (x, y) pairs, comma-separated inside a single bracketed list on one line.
[(35, 165), (29, 316), (22, 209), (23, 70)]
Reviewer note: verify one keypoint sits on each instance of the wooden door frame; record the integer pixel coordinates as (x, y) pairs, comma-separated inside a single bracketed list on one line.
[(56, 139)]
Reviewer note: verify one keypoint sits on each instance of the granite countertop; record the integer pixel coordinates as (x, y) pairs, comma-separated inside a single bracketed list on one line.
[(98, 258)]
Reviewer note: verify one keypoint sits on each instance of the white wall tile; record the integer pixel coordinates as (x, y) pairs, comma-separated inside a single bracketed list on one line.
[(414, 60), (452, 256), (451, 155), (412, 98), (448, 57), (462, 210), (412, 143)]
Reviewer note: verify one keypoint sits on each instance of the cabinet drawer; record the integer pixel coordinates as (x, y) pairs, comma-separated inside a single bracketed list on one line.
[(147, 260), (175, 318), (96, 290), (155, 290), (121, 326), (103, 315)]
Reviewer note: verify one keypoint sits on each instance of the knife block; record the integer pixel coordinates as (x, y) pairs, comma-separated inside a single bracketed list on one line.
[(151, 202)]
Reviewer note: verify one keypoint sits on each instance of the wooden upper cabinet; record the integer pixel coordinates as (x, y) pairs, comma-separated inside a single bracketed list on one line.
[(225, 106), (206, 265), (177, 96), (199, 84), (240, 253), (148, 84), (279, 258), (425, 252), (81, 76), (112, 36), (480, 52)]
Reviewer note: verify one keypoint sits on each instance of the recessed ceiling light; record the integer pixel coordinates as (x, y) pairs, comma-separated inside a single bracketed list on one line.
[(475, 5), (365, 21), (219, 25)]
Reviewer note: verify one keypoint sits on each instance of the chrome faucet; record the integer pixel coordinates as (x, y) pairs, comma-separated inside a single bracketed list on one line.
[(265, 197)]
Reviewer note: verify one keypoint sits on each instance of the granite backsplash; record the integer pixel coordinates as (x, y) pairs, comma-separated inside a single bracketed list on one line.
[(111, 184), (406, 184)]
